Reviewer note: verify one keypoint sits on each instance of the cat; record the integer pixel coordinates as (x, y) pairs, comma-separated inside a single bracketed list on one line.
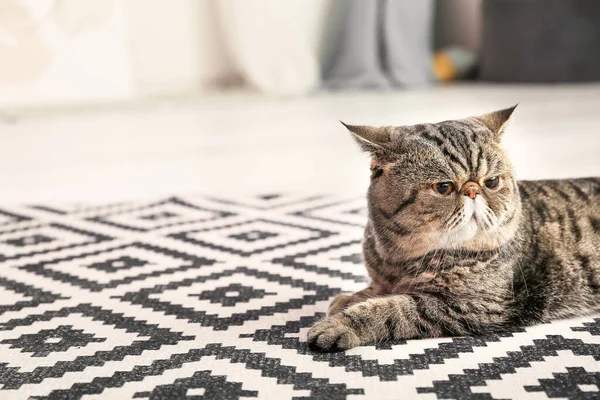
[(454, 245)]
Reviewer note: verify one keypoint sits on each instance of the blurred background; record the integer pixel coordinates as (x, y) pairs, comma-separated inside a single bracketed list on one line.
[(109, 100)]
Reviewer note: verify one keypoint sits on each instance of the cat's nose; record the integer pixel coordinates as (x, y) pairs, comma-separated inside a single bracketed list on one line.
[(471, 189)]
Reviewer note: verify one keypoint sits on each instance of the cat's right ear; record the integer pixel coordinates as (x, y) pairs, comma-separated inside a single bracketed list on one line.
[(370, 138)]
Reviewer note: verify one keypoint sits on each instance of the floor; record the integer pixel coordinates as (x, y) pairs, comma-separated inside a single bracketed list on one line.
[(239, 143)]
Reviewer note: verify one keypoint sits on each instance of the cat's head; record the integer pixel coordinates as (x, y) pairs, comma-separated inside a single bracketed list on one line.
[(442, 185)]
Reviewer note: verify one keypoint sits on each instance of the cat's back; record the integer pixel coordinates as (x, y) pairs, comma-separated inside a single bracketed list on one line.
[(572, 203), (561, 193), (561, 219)]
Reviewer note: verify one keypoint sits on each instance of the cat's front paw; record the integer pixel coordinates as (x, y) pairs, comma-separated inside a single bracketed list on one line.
[(333, 333), (339, 303)]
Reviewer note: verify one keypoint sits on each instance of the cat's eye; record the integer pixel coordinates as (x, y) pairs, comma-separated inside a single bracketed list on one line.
[(444, 188), (492, 183), (377, 172)]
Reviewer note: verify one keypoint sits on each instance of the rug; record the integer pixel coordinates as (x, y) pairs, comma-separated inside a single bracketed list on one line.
[(202, 297)]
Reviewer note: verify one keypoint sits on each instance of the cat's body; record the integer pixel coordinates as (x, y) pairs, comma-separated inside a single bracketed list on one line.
[(488, 255)]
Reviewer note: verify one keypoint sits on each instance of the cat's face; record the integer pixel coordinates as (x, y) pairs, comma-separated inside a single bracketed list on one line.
[(444, 185)]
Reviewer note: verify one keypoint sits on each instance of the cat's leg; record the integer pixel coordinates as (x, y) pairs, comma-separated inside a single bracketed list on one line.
[(343, 301), (402, 316)]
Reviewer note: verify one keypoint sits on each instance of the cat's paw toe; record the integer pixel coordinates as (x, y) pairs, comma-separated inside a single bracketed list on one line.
[(332, 334)]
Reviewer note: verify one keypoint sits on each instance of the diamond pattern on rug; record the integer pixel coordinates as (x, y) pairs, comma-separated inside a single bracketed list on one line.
[(89, 337), (44, 238), (201, 385), (47, 341), (232, 294), (253, 236), (16, 296), (161, 214), (204, 297), (8, 218)]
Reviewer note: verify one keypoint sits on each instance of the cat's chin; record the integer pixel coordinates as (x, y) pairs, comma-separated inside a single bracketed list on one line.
[(472, 236), (465, 234)]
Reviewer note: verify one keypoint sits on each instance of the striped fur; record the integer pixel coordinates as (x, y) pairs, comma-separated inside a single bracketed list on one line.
[(518, 254)]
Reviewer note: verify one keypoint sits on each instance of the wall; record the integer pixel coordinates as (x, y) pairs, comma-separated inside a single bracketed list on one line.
[(70, 52), (176, 47), (60, 52)]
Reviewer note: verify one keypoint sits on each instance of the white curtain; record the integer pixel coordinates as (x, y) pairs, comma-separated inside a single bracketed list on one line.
[(275, 44)]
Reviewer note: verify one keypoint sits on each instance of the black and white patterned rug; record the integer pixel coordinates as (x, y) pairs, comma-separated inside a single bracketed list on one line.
[(212, 298)]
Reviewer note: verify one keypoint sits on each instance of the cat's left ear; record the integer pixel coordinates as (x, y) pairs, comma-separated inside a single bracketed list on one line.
[(497, 121)]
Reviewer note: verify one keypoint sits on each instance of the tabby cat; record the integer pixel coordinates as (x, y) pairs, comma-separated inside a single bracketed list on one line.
[(454, 245)]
